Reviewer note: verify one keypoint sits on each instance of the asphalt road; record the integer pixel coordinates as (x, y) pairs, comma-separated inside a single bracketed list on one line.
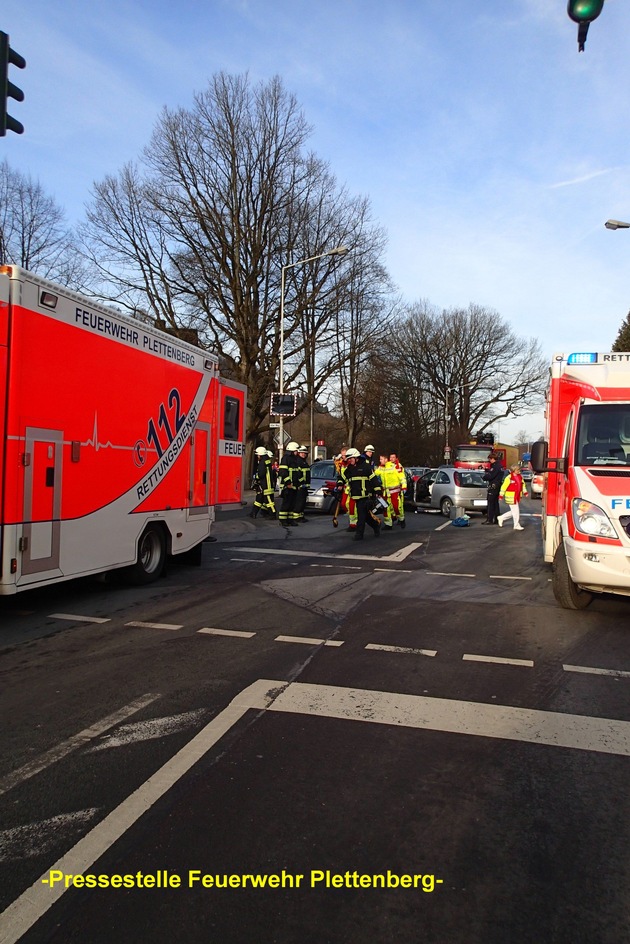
[(309, 739)]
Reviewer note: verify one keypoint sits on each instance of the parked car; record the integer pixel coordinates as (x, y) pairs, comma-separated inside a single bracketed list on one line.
[(424, 485), (527, 475), (413, 473), (535, 487), (446, 486), (323, 483)]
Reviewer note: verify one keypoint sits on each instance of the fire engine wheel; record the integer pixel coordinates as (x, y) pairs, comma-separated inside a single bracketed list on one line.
[(567, 593), (445, 507), (151, 556)]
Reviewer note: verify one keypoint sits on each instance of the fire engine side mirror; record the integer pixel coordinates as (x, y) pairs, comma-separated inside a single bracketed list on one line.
[(540, 459), (539, 456)]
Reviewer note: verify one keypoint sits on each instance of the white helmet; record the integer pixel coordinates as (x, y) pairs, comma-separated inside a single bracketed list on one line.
[(292, 447), (303, 449), (352, 454), (369, 449), (261, 451), (270, 453)]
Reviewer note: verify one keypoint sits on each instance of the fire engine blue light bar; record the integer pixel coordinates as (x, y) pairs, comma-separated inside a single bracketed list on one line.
[(582, 359)]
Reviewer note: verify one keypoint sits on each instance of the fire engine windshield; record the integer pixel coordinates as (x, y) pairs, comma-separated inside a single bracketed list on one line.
[(472, 453), (603, 435)]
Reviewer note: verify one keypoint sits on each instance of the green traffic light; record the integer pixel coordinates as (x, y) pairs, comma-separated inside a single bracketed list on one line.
[(584, 11)]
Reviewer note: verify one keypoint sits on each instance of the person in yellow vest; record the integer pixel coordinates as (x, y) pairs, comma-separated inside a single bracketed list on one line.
[(394, 484), (512, 491)]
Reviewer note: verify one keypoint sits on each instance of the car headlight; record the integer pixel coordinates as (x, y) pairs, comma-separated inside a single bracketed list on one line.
[(591, 519)]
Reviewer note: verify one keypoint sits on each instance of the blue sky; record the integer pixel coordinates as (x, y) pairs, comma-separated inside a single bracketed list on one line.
[(492, 152)]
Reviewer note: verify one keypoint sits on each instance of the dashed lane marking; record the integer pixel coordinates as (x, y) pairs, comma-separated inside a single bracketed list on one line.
[(79, 619), (419, 652), (148, 730), (141, 625), (308, 641), (225, 632), (499, 660), (620, 673), (506, 577), (439, 573), (77, 740)]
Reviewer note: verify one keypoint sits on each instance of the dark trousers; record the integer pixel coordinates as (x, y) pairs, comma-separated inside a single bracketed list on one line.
[(364, 516), (288, 496), (493, 505)]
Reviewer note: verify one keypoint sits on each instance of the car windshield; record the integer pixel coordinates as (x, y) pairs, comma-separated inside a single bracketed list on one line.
[(472, 453), (323, 470), (603, 435), (470, 479)]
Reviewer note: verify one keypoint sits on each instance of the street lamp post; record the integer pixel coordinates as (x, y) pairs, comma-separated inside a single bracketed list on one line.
[(616, 224), (337, 251)]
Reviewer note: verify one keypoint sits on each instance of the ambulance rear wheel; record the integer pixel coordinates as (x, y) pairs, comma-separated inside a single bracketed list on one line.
[(151, 556), (567, 593)]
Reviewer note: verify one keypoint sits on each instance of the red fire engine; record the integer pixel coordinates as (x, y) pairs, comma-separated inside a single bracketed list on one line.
[(586, 458), (117, 441)]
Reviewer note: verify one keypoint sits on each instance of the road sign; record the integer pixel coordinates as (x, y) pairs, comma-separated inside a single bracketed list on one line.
[(274, 426)]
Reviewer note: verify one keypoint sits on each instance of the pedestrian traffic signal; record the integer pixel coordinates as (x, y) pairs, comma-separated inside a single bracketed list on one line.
[(583, 12), (9, 57)]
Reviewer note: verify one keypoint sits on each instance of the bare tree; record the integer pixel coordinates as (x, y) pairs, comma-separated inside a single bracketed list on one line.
[(462, 370), (197, 235), (33, 232)]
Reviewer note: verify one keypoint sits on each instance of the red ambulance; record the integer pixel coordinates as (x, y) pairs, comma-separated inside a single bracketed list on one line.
[(117, 441), (586, 461)]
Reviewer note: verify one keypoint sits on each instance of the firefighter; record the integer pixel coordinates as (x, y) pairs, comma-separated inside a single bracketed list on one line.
[(362, 485), (263, 483), (348, 504), (368, 453), (289, 476), (305, 481), (394, 484)]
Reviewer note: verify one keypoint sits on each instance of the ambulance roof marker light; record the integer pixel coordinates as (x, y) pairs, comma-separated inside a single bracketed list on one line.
[(582, 358)]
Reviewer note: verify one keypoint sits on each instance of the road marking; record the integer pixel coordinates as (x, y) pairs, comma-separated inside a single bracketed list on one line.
[(420, 652), (79, 619), (225, 632), (533, 726), (148, 730), (439, 573), (442, 526), (308, 641), (22, 914), (141, 625), (249, 560), (77, 740), (468, 657), (620, 673), (337, 566), (35, 839), (506, 577), (396, 557), (388, 570)]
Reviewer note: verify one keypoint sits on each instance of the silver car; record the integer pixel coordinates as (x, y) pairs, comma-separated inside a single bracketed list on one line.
[(465, 488), (323, 482)]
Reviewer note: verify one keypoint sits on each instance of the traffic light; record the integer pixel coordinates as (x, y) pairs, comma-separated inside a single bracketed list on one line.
[(583, 12), (9, 57)]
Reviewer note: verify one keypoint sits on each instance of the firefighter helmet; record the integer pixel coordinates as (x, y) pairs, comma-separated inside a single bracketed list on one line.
[(270, 453), (292, 447), (261, 451), (303, 449), (369, 449), (352, 454)]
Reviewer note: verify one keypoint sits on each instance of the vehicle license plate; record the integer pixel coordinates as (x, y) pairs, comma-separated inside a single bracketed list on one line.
[(481, 502)]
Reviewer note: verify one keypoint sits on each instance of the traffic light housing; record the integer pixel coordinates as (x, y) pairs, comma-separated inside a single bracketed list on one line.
[(583, 12), (9, 57)]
